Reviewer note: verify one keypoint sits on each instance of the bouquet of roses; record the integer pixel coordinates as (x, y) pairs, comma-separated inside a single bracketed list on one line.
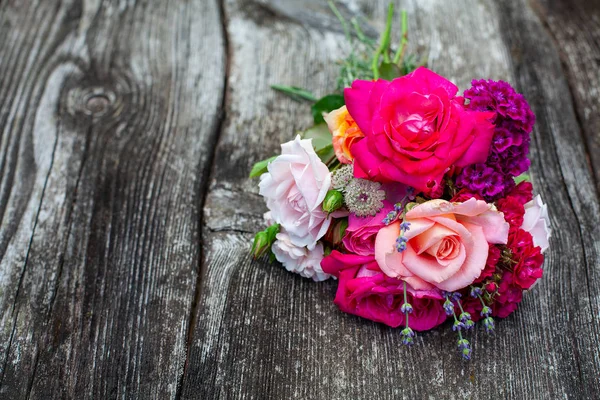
[(415, 198)]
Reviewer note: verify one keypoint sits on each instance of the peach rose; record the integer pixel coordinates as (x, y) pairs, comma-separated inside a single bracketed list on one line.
[(446, 244), (345, 133)]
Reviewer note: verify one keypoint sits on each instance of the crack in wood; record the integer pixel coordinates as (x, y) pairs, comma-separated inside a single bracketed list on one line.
[(24, 269), (204, 191)]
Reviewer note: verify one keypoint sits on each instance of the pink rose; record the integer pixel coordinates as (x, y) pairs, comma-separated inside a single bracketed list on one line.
[(415, 128), (362, 231), (294, 189), (537, 222), (300, 260), (365, 291), (447, 244)]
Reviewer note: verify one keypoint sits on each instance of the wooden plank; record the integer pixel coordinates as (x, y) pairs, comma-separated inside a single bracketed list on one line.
[(265, 333), (575, 27), (108, 113), (570, 302)]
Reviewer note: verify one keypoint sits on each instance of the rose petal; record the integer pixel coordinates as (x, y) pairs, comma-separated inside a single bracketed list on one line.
[(476, 257), (430, 237)]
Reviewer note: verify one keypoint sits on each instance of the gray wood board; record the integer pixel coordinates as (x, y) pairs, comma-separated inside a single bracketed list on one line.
[(107, 110), (126, 215), (575, 27), (264, 333)]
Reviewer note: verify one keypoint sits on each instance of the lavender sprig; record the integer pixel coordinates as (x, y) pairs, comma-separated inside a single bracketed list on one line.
[(486, 311), (407, 333), (462, 322), (402, 240), (393, 215)]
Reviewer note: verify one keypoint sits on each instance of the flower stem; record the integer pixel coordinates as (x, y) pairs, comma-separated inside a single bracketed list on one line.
[(400, 53), (460, 306), (481, 299), (341, 19), (384, 44), (405, 301)]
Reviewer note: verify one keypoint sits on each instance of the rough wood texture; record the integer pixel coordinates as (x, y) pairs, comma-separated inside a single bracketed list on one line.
[(124, 267), (263, 333), (575, 27), (107, 110)]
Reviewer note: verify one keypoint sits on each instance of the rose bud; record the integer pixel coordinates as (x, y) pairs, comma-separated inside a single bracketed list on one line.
[(263, 240), (491, 287), (261, 244), (272, 232), (333, 201), (338, 231)]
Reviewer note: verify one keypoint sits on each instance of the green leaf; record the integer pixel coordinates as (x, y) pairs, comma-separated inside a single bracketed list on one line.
[(389, 71), (521, 178), (321, 141), (295, 93), (320, 135), (326, 154), (326, 104), (261, 167)]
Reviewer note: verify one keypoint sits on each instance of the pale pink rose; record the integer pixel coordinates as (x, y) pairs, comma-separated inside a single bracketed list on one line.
[(300, 260), (294, 189), (537, 222), (268, 218), (447, 244)]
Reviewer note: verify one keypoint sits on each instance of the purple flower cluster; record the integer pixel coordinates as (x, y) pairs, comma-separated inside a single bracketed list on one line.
[(510, 144)]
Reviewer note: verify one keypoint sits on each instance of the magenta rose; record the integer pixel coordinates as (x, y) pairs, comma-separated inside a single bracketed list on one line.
[(415, 128), (362, 231), (365, 291)]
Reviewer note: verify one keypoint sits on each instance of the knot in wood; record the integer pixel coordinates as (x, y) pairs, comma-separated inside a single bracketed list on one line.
[(95, 101)]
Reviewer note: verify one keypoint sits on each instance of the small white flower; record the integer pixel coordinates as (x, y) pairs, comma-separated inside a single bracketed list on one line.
[(342, 177), (537, 223), (300, 260), (364, 197)]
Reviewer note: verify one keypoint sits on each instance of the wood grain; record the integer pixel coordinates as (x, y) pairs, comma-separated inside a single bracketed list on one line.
[(575, 27), (264, 333), (127, 129), (562, 175), (108, 113)]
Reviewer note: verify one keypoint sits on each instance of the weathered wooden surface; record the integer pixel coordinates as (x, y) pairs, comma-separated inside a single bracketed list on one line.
[(575, 27), (107, 111), (124, 267)]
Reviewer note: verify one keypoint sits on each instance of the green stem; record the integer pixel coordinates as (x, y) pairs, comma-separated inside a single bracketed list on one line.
[(332, 159), (460, 306), (405, 301), (337, 166), (341, 19), (384, 44), (361, 35), (400, 53), (481, 299)]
